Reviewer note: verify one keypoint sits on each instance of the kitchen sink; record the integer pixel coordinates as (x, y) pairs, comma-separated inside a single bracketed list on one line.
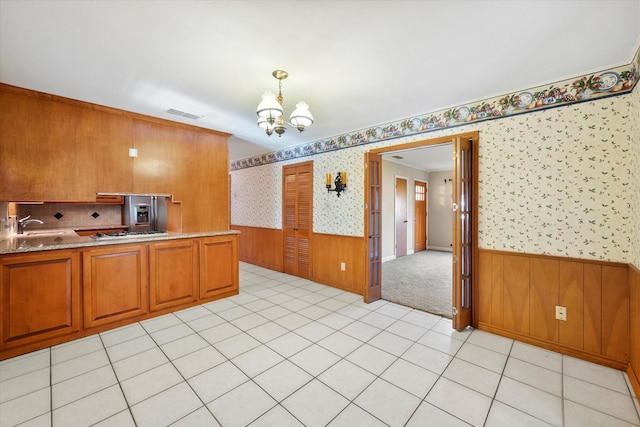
[(43, 233)]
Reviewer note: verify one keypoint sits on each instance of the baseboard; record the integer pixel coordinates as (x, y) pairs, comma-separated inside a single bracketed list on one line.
[(389, 258), (558, 348), (438, 248)]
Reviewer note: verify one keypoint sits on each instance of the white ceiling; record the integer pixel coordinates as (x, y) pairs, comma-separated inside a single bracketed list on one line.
[(356, 63), (431, 159)]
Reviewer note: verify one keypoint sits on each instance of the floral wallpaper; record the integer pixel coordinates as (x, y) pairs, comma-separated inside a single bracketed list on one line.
[(256, 196), (634, 107), (580, 89), (557, 182), (560, 181)]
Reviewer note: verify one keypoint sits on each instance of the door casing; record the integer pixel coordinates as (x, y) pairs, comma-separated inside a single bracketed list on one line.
[(474, 136)]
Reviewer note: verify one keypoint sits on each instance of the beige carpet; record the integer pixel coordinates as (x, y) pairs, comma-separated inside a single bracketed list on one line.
[(421, 280)]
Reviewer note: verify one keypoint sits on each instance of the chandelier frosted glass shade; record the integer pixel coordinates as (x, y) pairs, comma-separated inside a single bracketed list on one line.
[(264, 124), (269, 109), (301, 116), (270, 112)]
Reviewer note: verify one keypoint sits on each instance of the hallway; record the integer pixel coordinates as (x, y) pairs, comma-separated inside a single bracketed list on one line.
[(421, 280)]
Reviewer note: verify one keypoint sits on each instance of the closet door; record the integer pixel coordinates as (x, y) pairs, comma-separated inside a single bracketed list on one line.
[(297, 218)]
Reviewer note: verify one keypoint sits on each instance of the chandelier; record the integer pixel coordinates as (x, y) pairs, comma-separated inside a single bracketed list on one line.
[(270, 112)]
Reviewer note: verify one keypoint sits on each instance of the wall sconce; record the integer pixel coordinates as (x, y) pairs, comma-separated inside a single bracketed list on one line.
[(340, 182)]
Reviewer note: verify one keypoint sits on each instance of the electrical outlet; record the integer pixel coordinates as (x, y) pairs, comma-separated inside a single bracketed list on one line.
[(343, 266), (561, 313)]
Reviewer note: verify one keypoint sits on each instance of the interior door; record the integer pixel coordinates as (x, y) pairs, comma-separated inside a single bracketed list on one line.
[(420, 233), (401, 217), (462, 232), (372, 200), (296, 218)]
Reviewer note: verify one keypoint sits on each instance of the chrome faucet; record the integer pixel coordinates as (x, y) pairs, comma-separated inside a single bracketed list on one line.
[(24, 221)]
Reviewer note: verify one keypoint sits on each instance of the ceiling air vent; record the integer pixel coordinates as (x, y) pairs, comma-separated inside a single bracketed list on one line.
[(397, 157), (184, 114)]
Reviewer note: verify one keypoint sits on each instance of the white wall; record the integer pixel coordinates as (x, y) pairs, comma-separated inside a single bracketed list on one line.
[(440, 217), (391, 170)]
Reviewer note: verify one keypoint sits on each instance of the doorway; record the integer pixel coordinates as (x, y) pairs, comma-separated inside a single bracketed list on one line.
[(417, 275), (401, 217), (464, 162)]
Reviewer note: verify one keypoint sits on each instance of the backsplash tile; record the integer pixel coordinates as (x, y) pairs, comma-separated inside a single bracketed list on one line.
[(71, 215)]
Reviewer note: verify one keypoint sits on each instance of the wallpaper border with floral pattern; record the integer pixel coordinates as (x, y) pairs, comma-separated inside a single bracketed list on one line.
[(610, 82)]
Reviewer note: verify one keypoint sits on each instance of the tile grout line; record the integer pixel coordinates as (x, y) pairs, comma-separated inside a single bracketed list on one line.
[(179, 372), (316, 342), (495, 393), (124, 396)]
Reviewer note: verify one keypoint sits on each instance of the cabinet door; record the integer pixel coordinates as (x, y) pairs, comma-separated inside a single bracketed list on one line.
[(115, 284), (40, 296), (174, 273), (219, 266)]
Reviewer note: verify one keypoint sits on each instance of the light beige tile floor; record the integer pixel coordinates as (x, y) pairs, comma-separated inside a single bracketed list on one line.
[(290, 352)]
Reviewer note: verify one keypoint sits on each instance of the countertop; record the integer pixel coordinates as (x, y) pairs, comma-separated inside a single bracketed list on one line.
[(68, 239)]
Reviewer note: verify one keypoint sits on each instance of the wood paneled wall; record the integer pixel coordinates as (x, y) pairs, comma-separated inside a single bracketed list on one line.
[(518, 295), (57, 149), (261, 246), (634, 363), (329, 251), (264, 247)]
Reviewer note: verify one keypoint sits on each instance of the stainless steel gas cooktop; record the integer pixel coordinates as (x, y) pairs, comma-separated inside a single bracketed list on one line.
[(116, 235)]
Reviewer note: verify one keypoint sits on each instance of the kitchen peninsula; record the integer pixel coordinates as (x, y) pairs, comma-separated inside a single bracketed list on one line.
[(61, 287), (56, 286)]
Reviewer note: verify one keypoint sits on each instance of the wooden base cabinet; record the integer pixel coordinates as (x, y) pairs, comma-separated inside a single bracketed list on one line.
[(50, 297), (40, 296), (174, 273), (114, 284), (219, 269)]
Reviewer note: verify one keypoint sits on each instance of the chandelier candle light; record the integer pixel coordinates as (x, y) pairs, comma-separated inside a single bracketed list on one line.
[(340, 182), (270, 112)]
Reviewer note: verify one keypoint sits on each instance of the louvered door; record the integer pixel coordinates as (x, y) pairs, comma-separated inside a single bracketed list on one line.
[(297, 218)]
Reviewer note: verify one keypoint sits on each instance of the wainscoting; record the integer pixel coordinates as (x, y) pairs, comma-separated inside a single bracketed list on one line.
[(518, 295), (329, 251), (633, 371), (264, 247), (260, 246)]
